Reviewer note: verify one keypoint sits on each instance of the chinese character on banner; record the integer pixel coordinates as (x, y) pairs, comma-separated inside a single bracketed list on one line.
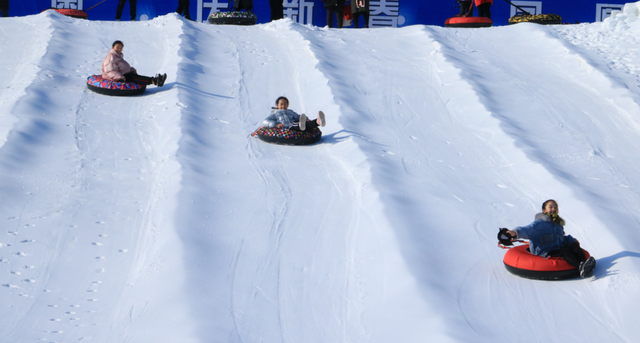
[(68, 4), (384, 13), (603, 11), (214, 5), (300, 11), (533, 7)]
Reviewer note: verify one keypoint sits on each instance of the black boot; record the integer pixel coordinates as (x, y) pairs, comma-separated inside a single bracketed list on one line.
[(161, 79)]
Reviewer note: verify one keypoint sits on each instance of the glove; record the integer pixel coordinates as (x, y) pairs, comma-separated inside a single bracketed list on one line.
[(505, 237)]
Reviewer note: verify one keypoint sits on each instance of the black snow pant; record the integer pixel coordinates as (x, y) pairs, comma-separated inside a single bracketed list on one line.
[(183, 8), (139, 79), (277, 11), (132, 9), (4, 7), (310, 125), (356, 19), (484, 10), (337, 9), (246, 5), (572, 253), (466, 6)]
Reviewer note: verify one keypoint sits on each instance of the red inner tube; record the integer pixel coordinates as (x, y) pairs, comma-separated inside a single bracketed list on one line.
[(521, 262), (468, 22), (72, 13)]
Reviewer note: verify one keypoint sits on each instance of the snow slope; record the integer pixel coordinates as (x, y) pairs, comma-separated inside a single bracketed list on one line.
[(158, 218)]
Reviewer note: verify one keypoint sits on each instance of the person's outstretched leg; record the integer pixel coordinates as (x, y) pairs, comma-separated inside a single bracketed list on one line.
[(303, 122), (572, 253), (158, 80), (587, 267), (321, 119)]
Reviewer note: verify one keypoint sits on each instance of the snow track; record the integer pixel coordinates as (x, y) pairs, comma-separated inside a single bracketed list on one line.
[(157, 218), (82, 171)]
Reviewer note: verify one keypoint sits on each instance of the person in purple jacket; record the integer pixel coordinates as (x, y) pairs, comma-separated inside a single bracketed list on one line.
[(547, 239)]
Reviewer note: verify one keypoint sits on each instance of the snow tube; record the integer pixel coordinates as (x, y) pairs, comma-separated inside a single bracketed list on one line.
[(468, 22), (233, 18), (99, 85), (521, 262), (543, 19), (72, 13), (288, 137)]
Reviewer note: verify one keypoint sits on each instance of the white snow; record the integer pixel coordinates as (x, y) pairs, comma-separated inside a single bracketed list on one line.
[(158, 218)]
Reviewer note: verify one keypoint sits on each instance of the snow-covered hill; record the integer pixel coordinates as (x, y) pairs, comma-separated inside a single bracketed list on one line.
[(158, 218)]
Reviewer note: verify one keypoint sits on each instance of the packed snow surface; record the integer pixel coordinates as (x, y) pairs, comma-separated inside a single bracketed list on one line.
[(158, 218)]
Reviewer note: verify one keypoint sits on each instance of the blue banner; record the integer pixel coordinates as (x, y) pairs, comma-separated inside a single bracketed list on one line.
[(383, 13)]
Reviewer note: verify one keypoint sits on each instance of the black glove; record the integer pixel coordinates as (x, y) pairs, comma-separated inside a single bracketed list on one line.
[(505, 237)]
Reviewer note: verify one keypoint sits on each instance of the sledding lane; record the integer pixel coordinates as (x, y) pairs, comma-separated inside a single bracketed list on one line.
[(27, 38), (82, 172), (281, 266), (581, 169)]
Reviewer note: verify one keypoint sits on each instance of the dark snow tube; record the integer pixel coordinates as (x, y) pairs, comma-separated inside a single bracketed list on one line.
[(521, 262), (542, 19), (72, 13), (233, 18), (99, 85), (468, 22), (288, 137)]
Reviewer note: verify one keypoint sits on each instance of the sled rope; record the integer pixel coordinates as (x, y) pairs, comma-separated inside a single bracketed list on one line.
[(95, 5)]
